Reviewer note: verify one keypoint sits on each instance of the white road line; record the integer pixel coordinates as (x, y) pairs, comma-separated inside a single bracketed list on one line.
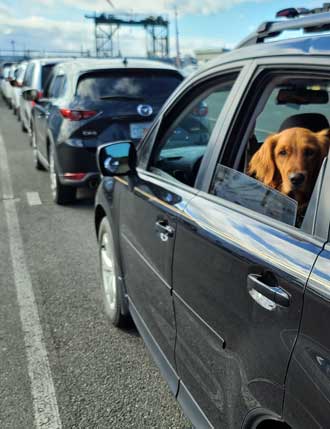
[(46, 414), (33, 198)]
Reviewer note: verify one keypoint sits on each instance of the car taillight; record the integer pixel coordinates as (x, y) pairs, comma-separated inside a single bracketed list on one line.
[(77, 115), (75, 176)]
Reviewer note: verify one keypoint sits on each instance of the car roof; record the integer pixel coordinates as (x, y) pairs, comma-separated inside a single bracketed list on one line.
[(308, 46), (46, 61), (78, 66)]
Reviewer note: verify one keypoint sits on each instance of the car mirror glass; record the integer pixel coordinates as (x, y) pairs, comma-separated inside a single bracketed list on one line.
[(117, 159)]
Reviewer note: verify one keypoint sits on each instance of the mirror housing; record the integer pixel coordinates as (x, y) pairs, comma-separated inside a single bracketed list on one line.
[(117, 158), (31, 95)]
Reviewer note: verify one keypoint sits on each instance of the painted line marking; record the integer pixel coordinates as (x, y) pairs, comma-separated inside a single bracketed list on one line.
[(46, 414), (33, 198)]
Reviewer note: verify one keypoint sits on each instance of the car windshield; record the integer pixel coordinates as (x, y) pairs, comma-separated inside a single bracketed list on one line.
[(130, 84)]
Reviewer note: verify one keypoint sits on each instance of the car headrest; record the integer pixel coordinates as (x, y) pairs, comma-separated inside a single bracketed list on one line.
[(312, 121)]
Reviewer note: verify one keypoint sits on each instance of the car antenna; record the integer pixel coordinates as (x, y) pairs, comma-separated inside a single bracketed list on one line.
[(125, 62)]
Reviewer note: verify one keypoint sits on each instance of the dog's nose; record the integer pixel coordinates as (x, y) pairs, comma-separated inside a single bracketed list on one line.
[(297, 179)]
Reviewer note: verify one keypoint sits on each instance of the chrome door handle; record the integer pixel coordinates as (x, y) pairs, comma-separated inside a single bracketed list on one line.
[(274, 293), (164, 229)]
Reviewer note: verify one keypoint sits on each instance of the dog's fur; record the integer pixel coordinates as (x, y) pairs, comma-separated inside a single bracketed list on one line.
[(291, 153)]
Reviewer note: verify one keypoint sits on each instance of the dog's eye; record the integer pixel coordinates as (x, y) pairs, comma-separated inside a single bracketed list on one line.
[(283, 152), (308, 152)]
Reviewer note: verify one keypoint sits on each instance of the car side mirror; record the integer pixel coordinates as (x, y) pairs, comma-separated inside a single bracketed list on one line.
[(117, 159), (31, 95)]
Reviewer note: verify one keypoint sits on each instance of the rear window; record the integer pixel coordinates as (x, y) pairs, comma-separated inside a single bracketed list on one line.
[(132, 84), (45, 73)]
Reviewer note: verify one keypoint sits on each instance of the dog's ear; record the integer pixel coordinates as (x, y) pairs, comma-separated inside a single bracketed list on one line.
[(323, 138), (262, 165)]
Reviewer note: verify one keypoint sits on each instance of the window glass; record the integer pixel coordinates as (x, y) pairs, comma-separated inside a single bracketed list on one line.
[(45, 73), (28, 75), (143, 85), (56, 87), (278, 168), (181, 150)]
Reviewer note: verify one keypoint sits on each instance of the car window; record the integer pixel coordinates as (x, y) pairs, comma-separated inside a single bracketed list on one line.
[(57, 87), (274, 168), (142, 85), (180, 151), (28, 75), (45, 73)]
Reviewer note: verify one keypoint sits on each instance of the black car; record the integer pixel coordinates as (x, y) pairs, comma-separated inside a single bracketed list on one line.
[(90, 102), (229, 292)]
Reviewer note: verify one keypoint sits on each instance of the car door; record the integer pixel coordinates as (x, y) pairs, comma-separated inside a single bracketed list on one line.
[(238, 284), (45, 109), (41, 115), (307, 392), (148, 219)]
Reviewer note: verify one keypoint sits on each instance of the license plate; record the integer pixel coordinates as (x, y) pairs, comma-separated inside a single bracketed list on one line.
[(139, 129)]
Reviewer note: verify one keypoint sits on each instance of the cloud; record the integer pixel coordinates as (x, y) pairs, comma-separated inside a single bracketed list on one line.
[(205, 7)]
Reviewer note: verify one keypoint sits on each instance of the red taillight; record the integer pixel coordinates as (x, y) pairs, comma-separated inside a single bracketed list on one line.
[(77, 115), (75, 176)]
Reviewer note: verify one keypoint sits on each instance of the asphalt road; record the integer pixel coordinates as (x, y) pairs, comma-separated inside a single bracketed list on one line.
[(103, 377)]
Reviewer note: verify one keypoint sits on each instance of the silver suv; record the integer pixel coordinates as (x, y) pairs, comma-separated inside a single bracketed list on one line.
[(36, 76)]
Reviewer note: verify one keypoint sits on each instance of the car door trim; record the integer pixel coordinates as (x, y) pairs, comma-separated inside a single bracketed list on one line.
[(168, 372)]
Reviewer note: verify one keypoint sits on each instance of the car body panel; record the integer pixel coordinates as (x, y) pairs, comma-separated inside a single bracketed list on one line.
[(226, 341), (309, 372)]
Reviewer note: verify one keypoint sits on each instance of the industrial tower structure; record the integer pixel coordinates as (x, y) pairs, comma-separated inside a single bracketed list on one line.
[(108, 25)]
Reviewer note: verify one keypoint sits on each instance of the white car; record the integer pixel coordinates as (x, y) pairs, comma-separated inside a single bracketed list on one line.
[(17, 84), (5, 85)]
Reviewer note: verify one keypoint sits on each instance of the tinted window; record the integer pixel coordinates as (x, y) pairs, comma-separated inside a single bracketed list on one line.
[(45, 73), (144, 85)]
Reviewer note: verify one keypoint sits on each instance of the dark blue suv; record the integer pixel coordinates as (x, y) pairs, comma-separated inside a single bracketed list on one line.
[(88, 102), (230, 292)]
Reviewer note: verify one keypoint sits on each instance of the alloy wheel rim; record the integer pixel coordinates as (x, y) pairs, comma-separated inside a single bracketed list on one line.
[(108, 272)]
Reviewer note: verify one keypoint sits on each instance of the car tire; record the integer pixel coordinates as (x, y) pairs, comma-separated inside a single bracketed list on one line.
[(62, 194), (112, 292), (36, 160)]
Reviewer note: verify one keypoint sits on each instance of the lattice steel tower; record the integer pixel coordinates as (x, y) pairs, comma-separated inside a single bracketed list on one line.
[(107, 25)]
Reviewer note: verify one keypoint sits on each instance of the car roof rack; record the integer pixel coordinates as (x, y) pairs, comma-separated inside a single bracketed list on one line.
[(309, 20)]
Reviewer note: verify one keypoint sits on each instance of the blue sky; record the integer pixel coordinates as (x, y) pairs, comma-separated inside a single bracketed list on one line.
[(60, 24)]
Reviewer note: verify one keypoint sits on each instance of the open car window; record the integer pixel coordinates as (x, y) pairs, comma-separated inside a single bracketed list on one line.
[(274, 169), (250, 193)]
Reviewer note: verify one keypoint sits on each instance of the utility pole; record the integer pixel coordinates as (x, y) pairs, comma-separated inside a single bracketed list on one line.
[(13, 46), (178, 58)]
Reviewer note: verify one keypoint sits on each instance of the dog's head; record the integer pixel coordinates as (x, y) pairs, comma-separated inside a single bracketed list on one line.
[(290, 161)]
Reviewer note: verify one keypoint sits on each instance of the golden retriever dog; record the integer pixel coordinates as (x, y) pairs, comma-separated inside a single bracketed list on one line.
[(290, 162)]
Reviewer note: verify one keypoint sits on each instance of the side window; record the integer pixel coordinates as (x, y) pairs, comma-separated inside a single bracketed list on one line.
[(274, 168), (181, 148), (28, 75), (56, 87)]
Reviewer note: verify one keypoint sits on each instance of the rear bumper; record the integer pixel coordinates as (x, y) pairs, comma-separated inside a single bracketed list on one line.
[(73, 159), (91, 180)]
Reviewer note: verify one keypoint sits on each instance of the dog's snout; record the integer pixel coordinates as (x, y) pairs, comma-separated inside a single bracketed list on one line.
[(297, 179)]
